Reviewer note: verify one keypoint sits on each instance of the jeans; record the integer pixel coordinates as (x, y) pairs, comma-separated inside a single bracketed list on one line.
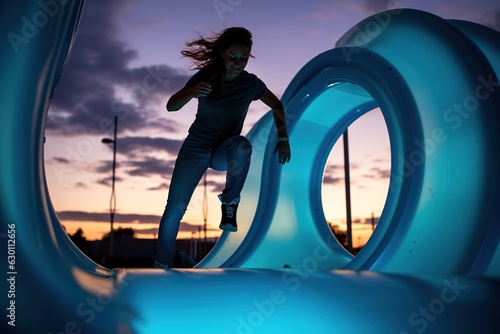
[(233, 155)]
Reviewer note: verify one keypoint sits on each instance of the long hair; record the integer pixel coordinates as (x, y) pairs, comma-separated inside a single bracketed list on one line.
[(206, 53)]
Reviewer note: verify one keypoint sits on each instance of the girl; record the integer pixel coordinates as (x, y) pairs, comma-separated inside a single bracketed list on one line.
[(224, 91)]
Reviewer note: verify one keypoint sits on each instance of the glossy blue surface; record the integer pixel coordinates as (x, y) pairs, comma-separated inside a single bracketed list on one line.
[(432, 264)]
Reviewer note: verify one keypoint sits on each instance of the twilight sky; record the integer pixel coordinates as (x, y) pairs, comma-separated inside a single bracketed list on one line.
[(126, 62)]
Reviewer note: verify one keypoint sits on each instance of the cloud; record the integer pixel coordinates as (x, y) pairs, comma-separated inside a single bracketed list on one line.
[(98, 83), (138, 146), (163, 186), (492, 18), (107, 181), (149, 166), (148, 231), (330, 171), (146, 167), (184, 227), (137, 161), (130, 218), (375, 6), (332, 11), (99, 217), (378, 173), (465, 10), (359, 223), (62, 161), (330, 180), (369, 220)]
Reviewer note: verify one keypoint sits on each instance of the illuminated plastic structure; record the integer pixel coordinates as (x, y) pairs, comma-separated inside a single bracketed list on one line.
[(432, 264)]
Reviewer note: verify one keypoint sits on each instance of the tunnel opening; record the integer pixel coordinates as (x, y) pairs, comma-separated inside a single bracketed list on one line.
[(365, 149)]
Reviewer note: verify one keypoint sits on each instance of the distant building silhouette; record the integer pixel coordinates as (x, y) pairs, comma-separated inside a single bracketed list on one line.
[(130, 252)]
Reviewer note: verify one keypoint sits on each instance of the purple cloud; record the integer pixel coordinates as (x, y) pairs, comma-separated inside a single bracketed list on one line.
[(98, 82)]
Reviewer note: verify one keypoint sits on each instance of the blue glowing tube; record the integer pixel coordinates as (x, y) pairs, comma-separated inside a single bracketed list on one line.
[(441, 109)]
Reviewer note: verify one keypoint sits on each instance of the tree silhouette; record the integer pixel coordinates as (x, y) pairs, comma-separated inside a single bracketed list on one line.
[(80, 241), (121, 233), (339, 234)]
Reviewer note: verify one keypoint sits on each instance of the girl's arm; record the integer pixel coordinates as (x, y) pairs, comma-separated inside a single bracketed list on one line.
[(283, 147), (183, 96), (278, 112)]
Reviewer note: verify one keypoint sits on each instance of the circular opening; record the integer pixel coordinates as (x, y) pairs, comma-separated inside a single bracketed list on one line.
[(369, 161)]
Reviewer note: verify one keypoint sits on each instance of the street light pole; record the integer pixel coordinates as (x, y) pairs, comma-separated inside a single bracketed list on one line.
[(112, 201), (347, 190)]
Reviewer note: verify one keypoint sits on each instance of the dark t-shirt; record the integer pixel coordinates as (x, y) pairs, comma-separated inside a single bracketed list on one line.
[(221, 115)]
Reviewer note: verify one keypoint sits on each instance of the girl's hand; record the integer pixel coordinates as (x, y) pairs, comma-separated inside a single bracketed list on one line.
[(202, 89), (283, 149)]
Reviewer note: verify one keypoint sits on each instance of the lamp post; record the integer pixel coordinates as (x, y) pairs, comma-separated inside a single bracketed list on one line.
[(347, 190), (112, 201)]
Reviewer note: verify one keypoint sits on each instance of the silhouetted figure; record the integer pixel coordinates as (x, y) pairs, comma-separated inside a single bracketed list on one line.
[(224, 91)]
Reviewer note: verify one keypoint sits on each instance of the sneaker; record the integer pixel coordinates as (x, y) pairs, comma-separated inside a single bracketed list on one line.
[(161, 265), (228, 221)]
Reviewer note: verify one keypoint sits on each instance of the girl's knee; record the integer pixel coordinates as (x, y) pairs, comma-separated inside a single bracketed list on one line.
[(243, 145)]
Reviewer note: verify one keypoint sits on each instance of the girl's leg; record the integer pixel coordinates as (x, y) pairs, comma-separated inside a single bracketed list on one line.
[(190, 165), (234, 156)]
